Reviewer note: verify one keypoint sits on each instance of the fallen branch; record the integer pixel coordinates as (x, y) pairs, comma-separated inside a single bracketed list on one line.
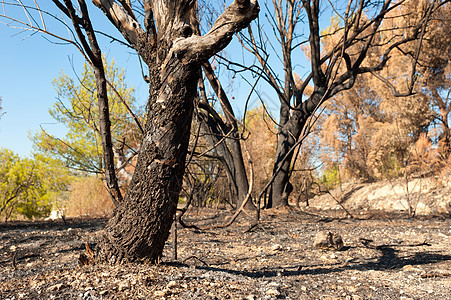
[(436, 274), (367, 243)]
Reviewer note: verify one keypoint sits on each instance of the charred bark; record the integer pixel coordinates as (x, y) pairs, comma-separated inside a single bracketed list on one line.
[(281, 187), (140, 224), (226, 136), (288, 135), (140, 227), (105, 133)]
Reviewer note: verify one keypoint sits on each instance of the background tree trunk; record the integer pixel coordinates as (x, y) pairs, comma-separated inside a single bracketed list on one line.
[(230, 146), (281, 187)]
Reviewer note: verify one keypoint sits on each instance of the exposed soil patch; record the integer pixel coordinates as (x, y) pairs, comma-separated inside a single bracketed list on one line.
[(384, 257)]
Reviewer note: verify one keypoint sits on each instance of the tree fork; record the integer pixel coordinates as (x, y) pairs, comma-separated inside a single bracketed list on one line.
[(140, 225)]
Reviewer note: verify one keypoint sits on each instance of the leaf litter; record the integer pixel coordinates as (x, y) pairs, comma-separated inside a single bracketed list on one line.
[(382, 257)]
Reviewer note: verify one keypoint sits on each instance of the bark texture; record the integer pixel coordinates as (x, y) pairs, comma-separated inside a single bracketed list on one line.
[(141, 223), (140, 227)]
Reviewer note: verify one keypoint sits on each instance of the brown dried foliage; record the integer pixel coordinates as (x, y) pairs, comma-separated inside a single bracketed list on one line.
[(88, 198)]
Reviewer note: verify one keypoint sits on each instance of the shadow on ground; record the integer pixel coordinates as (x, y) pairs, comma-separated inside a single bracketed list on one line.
[(388, 261)]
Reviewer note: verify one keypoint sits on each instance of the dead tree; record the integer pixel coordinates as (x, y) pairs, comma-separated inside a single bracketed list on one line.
[(140, 226), (331, 72), (224, 135), (92, 49)]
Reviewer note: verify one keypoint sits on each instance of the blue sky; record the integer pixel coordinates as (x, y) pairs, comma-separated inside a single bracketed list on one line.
[(27, 70), (28, 66)]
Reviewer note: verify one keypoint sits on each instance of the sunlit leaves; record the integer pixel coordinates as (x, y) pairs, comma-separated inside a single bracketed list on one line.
[(30, 186), (77, 108)]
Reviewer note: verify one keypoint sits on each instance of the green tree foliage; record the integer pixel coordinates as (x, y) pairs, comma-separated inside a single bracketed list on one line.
[(77, 109), (30, 187)]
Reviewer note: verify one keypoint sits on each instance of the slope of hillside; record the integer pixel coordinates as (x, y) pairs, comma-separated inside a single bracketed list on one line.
[(427, 196)]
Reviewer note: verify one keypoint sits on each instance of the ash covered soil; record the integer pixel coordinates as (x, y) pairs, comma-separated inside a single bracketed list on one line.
[(384, 257)]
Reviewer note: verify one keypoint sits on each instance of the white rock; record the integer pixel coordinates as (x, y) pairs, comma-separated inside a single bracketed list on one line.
[(123, 285), (277, 247), (423, 209), (89, 295), (55, 215), (160, 293), (55, 287), (272, 292), (171, 284)]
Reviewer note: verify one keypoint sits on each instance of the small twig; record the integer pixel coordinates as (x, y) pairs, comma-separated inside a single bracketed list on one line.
[(341, 205), (174, 237), (320, 217), (436, 274), (195, 257), (15, 260), (251, 227), (89, 251)]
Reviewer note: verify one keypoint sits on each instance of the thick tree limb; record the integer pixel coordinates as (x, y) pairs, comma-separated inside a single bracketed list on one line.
[(119, 16), (197, 49)]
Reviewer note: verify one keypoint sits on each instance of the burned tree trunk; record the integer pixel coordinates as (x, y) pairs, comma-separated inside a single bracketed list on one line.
[(281, 186), (224, 135), (140, 224), (140, 227), (331, 72)]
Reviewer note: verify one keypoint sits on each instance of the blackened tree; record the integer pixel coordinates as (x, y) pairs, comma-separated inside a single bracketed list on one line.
[(332, 70)]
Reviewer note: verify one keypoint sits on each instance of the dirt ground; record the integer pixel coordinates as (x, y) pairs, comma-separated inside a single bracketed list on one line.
[(405, 259)]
